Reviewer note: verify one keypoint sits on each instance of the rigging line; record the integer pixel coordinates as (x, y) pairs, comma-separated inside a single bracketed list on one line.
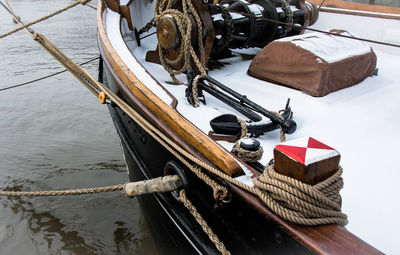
[(45, 77), (322, 3), (148, 35), (16, 19), (25, 26), (91, 6), (318, 30)]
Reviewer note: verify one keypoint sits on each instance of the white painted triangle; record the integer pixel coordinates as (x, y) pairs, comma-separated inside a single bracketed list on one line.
[(300, 142), (314, 155)]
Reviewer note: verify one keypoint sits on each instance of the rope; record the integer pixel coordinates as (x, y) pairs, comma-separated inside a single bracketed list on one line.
[(45, 77), (213, 237), (91, 6), (282, 132), (242, 153), (186, 52), (83, 2), (62, 192), (322, 3), (247, 155), (195, 91), (243, 127), (299, 202), (159, 184)]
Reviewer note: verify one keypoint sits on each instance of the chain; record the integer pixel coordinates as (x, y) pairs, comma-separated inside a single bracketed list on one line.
[(148, 26), (222, 43), (289, 17)]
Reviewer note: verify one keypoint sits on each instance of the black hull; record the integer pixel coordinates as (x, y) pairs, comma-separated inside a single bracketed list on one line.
[(242, 229)]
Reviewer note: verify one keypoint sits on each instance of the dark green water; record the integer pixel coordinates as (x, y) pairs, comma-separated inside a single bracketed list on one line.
[(55, 135)]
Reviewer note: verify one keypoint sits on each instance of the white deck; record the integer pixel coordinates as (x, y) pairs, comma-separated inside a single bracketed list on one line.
[(361, 122)]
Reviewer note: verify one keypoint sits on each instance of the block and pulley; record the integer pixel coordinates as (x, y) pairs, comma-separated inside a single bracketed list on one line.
[(167, 32)]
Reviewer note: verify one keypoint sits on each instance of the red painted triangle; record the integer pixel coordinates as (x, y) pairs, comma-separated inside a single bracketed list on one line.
[(294, 152), (312, 143)]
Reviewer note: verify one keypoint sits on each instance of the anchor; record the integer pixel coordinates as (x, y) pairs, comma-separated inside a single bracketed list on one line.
[(228, 124)]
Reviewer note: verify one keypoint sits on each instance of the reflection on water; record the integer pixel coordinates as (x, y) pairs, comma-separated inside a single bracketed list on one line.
[(55, 135)]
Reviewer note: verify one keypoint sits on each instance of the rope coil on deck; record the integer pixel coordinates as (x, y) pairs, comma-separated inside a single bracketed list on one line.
[(247, 155), (299, 202)]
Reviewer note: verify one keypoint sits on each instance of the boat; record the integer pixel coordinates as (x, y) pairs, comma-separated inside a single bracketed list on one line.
[(360, 121)]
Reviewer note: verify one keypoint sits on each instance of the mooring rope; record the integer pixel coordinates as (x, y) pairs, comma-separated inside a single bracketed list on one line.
[(45, 77), (159, 184), (62, 192)]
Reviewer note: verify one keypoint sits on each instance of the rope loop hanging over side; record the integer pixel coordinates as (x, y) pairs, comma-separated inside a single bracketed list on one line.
[(299, 202), (206, 228)]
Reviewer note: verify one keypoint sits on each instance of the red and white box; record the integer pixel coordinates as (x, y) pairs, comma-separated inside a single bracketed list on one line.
[(306, 159)]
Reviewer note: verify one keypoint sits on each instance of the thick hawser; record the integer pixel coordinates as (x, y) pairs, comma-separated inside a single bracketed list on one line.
[(342, 119)]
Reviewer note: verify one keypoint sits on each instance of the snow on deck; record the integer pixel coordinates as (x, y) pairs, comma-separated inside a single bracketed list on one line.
[(329, 47), (361, 122)]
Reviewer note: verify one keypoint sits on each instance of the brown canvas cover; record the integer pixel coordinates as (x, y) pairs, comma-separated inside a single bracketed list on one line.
[(315, 63)]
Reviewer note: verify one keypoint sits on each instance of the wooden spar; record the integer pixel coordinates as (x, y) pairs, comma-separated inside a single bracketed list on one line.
[(169, 116), (377, 11)]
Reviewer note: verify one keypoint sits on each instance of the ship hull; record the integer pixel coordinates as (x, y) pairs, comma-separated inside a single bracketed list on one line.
[(174, 229)]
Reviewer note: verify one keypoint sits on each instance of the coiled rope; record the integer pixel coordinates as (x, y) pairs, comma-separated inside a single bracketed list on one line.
[(243, 154), (299, 202)]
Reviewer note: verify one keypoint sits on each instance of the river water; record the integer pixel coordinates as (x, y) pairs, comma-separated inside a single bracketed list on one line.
[(55, 135)]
